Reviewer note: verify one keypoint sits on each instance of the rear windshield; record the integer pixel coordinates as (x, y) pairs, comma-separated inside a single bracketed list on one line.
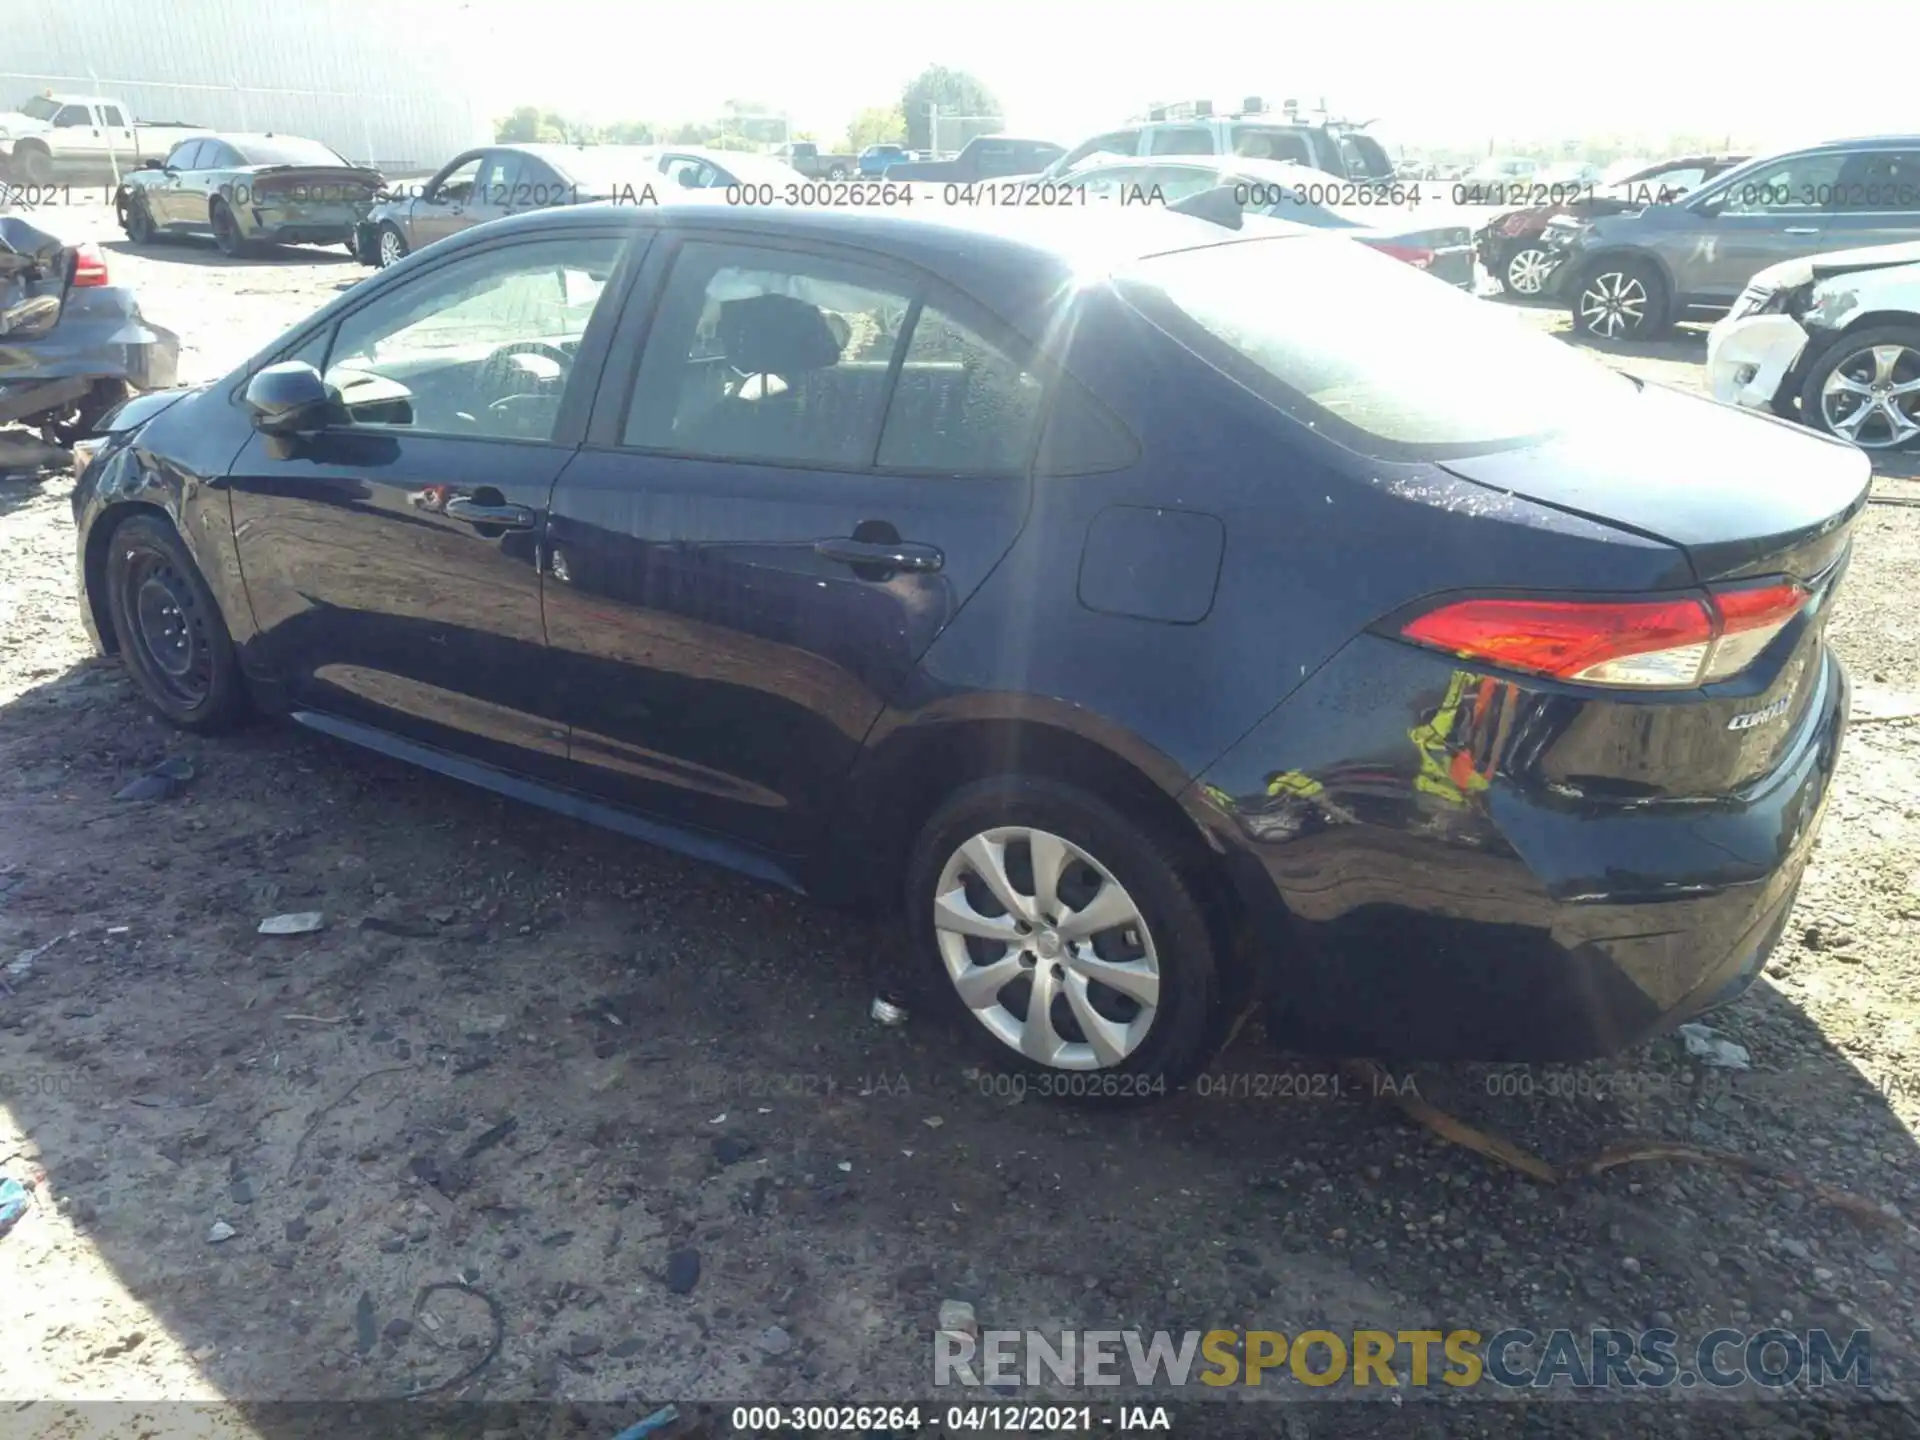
[(287, 150), (1369, 351)]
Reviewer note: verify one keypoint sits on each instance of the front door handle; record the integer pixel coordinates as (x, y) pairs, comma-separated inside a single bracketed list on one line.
[(505, 517), (1801, 230), (880, 554)]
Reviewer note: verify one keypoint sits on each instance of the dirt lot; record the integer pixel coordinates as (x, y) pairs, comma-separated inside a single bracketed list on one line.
[(550, 1065)]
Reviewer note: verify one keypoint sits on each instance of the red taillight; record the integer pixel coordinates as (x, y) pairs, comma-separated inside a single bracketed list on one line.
[(1649, 643), (1412, 254), (90, 267)]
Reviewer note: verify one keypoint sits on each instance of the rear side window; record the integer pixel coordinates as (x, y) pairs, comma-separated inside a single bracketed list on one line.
[(1303, 322), (111, 114), (767, 356), (1183, 140), (961, 405), (186, 155), (1881, 181)]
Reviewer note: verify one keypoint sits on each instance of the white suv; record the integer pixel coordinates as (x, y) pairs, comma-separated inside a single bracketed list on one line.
[(1337, 149)]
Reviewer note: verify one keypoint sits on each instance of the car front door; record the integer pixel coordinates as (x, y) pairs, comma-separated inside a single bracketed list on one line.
[(811, 467), (493, 192), (1776, 212), (394, 560), (442, 206), (163, 196), (1877, 201)]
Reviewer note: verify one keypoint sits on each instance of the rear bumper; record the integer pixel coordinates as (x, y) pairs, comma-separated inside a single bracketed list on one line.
[(1417, 912), (1749, 359)]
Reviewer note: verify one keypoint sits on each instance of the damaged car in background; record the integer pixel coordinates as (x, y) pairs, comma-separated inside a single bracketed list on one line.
[(248, 191), (1833, 341), (72, 345)]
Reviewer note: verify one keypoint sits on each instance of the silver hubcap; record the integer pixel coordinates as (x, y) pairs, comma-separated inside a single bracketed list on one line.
[(1873, 397), (1613, 304), (1046, 948), (389, 248), (1527, 271)]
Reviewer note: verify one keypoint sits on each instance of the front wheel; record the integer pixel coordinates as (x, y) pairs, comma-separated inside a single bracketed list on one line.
[(1526, 270), (1866, 389), (138, 222), (1620, 300), (389, 245), (837, 172), (171, 636), (1065, 937), (35, 165)]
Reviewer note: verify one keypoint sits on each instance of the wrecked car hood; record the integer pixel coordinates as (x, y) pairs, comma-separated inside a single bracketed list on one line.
[(12, 122), (1791, 274)]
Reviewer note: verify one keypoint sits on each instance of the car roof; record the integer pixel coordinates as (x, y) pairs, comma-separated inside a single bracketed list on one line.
[(931, 234), (1853, 142), (244, 138)]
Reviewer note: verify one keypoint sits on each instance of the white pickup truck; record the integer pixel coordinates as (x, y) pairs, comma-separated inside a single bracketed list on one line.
[(53, 138)]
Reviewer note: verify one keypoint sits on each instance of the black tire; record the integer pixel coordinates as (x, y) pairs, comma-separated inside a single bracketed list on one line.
[(1849, 350), (226, 231), (389, 245), (35, 165), (138, 222), (1639, 308), (1183, 1032), (171, 636)]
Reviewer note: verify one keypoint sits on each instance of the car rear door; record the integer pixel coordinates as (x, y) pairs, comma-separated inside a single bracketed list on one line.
[(163, 197), (783, 500), (1877, 200), (394, 561)]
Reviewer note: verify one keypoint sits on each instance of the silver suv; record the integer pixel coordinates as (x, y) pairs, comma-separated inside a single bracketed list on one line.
[(1630, 276), (1332, 146)]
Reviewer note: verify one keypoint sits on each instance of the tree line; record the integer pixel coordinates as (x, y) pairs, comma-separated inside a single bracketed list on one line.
[(749, 125)]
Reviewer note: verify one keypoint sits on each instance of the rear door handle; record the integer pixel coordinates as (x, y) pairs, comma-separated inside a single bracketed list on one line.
[(880, 554), (506, 517), (1801, 230)]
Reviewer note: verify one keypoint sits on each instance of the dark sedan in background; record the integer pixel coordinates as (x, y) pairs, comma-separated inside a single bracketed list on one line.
[(248, 191), (1436, 239), (1156, 611)]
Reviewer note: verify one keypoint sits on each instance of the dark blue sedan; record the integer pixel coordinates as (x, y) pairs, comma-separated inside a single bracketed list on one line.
[(1160, 615)]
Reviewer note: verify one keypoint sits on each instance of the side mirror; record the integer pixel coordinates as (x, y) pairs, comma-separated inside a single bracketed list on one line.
[(153, 163), (288, 399)]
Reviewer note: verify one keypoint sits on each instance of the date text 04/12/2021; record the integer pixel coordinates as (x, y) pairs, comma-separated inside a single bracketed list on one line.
[(986, 1418)]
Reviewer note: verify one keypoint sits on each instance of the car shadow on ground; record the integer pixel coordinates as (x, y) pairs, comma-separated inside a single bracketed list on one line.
[(556, 1064), (201, 250)]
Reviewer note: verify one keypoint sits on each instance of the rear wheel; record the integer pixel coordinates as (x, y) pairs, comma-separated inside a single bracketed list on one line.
[(1066, 939), (171, 636), (1866, 389), (226, 232), (1622, 299)]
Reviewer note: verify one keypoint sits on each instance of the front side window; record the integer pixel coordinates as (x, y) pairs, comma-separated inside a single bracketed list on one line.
[(768, 356), (1797, 185), (1298, 321), (456, 186), (482, 346), (72, 117)]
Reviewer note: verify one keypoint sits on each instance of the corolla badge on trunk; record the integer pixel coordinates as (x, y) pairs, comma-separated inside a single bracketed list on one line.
[(1762, 715)]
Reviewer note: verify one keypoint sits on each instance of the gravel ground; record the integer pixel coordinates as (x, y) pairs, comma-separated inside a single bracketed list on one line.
[(561, 1069)]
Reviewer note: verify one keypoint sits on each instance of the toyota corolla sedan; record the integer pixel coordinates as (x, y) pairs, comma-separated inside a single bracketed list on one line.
[(1107, 598)]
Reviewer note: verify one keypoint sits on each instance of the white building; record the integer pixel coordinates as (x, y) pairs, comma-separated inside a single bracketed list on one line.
[(383, 83)]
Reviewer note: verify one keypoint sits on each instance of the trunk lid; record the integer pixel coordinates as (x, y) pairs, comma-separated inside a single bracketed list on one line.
[(1740, 494)]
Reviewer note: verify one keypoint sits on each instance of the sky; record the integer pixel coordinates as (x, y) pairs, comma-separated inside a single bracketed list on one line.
[(1449, 73)]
